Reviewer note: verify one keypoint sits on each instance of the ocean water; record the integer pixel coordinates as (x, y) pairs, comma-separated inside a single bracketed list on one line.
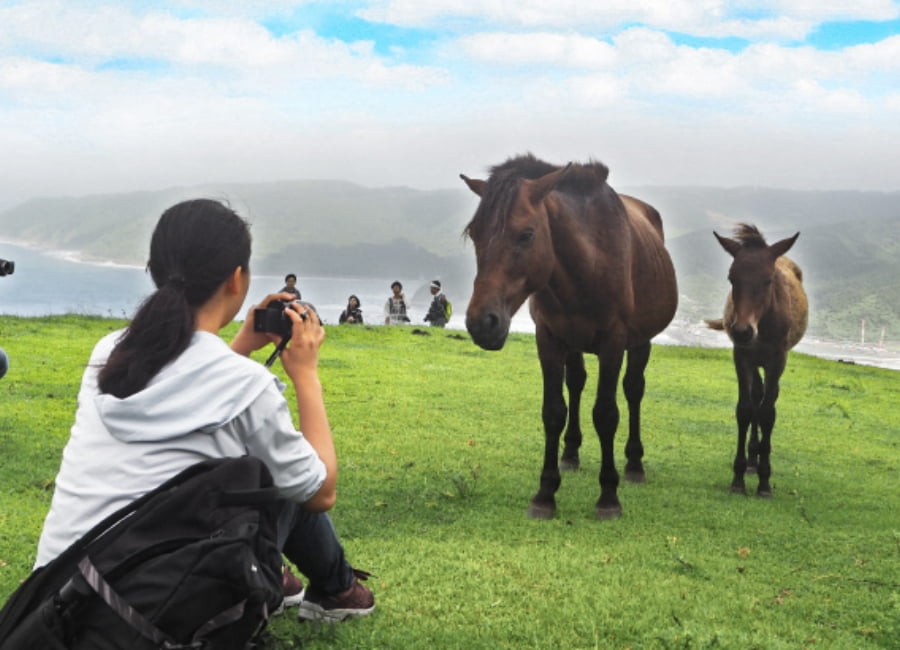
[(57, 282)]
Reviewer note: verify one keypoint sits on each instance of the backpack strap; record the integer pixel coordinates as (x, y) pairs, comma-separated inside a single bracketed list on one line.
[(121, 607), (145, 628), (48, 579), (230, 615)]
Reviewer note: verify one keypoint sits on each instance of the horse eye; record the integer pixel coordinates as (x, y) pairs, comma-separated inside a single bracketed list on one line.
[(525, 237)]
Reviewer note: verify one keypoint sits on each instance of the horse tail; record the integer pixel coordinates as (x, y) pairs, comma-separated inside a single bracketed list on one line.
[(715, 324)]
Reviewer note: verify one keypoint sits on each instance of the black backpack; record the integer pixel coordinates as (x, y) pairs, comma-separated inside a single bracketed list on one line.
[(193, 564)]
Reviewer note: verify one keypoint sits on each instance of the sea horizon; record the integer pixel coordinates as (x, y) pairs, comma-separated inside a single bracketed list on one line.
[(53, 282)]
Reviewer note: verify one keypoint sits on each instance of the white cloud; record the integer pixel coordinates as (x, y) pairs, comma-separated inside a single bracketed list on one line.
[(236, 46), (646, 63), (811, 94), (776, 19), (826, 10), (102, 96), (538, 48), (532, 13)]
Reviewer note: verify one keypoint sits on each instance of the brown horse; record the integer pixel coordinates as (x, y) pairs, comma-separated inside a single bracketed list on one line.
[(765, 316), (599, 280)]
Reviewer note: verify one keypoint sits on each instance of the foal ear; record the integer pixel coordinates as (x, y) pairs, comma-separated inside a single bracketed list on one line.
[(731, 247), (474, 184), (779, 248), (541, 187)]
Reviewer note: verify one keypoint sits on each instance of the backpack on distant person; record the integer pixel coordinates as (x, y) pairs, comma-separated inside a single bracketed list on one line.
[(192, 564), (448, 308)]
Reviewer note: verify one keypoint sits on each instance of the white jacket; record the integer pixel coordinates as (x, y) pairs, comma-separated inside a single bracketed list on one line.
[(210, 402)]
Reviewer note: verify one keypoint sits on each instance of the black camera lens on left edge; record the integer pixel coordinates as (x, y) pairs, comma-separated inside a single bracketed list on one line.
[(274, 320), (7, 267)]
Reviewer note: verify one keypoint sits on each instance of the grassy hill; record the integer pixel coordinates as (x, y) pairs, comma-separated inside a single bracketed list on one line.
[(440, 445), (293, 219)]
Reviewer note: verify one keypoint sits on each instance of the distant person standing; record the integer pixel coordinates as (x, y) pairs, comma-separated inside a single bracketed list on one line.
[(438, 312), (395, 307), (353, 313), (290, 285)]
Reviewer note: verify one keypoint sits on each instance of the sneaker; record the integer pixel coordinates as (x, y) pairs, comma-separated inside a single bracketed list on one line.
[(354, 602), (292, 588)]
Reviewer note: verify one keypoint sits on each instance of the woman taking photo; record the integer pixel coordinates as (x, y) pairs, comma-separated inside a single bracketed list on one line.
[(167, 392)]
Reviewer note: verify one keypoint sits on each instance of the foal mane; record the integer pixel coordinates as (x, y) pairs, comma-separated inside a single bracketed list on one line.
[(749, 236), (503, 185)]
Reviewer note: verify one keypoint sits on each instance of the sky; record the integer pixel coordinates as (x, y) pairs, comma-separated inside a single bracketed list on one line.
[(100, 97)]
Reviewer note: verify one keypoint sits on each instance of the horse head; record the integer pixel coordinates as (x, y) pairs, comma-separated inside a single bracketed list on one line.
[(513, 250), (753, 278)]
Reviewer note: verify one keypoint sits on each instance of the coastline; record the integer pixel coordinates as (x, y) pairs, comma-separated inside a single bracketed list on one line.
[(95, 287), (698, 335), (76, 257)]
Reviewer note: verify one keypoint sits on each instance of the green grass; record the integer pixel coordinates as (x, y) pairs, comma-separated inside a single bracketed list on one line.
[(440, 446)]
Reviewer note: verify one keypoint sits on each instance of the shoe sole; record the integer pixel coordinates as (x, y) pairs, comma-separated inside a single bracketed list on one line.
[(313, 612), (289, 601)]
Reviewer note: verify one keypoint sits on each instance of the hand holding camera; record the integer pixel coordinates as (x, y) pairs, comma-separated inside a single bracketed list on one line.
[(274, 319), (291, 319), (269, 322)]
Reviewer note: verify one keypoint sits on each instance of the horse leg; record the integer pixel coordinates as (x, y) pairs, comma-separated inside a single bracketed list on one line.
[(743, 415), (575, 378), (753, 444), (767, 422), (543, 504), (633, 385), (606, 420)]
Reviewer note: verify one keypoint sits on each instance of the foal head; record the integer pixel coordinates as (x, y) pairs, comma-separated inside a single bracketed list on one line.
[(753, 280)]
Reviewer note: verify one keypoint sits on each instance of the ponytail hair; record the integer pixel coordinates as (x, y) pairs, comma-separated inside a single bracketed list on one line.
[(195, 247)]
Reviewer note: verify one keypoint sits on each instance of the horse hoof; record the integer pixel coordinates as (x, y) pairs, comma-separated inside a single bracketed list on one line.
[(635, 476), (606, 513), (764, 494), (541, 511), (569, 465), (738, 489)]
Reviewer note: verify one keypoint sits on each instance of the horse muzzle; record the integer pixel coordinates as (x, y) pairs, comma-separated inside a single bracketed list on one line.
[(742, 335), (488, 329)]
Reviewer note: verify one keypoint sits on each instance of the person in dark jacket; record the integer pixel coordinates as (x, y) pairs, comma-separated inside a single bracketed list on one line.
[(290, 286), (437, 311), (353, 313)]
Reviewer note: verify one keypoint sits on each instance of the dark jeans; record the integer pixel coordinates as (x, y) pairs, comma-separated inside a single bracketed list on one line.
[(308, 539)]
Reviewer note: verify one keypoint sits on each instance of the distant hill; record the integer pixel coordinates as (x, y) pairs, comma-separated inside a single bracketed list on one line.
[(848, 247)]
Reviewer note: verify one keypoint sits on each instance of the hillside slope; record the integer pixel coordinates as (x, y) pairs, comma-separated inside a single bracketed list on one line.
[(848, 245)]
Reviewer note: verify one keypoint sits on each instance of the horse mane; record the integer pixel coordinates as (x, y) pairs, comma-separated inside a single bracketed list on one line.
[(504, 180), (749, 236)]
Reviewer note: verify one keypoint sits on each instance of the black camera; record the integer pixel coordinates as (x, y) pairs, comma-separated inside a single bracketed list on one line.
[(7, 267), (272, 318)]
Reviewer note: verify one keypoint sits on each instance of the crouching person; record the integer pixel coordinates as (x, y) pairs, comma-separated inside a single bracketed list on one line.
[(167, 392)]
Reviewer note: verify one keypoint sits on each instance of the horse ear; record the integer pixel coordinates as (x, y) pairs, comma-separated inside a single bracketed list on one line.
[(474, 184), (541, 187), (779, 248), (731, 247)]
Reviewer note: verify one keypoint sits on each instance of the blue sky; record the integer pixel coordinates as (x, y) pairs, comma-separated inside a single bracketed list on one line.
[(119, 96)]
